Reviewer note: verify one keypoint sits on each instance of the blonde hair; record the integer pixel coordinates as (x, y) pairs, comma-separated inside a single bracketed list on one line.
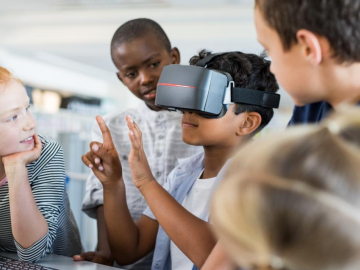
[(299, 198), (6, 77)]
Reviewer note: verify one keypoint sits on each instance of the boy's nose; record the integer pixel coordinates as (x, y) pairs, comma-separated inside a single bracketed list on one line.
[(146, 78)]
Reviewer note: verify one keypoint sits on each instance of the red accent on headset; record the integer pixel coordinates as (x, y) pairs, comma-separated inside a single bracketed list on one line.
[(176, 85)]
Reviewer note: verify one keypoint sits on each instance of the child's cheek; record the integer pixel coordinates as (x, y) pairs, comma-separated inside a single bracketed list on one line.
[(8, 145)]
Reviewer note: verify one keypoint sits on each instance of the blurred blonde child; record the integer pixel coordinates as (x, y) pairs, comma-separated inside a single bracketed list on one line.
[(293, 202)]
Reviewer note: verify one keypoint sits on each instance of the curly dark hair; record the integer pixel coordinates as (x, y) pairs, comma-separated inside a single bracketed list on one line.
[(336, 20), (248, 71)]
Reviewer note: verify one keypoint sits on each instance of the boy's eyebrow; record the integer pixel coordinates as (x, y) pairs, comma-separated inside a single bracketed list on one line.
[(143, 62), (151, 57)]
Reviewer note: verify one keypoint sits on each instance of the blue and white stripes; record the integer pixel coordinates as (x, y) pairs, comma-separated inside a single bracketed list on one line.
[(47, 181)]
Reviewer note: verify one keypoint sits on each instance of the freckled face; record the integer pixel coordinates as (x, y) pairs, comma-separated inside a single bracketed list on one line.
[(17, 125)]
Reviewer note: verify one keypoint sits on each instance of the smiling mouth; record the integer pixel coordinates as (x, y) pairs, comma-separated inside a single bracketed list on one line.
[(150, 94), (27, 139), (186, 124)]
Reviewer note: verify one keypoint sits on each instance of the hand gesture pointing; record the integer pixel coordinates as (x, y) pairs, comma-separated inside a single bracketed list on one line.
[(103, 158)]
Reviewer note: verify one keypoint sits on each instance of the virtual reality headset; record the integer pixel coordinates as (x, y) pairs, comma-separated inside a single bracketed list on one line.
[(207, 92)]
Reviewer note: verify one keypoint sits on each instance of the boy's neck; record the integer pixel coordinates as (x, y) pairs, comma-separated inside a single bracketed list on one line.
[(214, 160), (344, 85)]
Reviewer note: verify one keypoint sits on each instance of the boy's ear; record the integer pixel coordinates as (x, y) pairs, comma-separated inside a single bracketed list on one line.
[(175, 56), (310, 46), (249, 123)]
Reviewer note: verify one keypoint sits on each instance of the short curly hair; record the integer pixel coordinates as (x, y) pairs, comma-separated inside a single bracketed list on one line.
[(336, 20), (137, 28), (248, 71)]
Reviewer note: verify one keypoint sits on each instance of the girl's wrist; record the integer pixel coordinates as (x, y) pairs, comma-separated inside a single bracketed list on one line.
[(12, 168), (13, 163)]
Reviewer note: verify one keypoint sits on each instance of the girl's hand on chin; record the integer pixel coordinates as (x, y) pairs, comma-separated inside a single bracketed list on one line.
[(26, 157)]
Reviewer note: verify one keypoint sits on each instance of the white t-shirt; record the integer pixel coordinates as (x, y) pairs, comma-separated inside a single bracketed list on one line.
[(196, 202)]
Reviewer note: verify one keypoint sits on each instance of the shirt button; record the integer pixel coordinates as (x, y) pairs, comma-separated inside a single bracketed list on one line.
[(160, 116), (124, 157), (158, 153), (158, 174), (161, 137)]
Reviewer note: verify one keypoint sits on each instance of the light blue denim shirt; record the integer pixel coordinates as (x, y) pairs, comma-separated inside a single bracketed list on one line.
[(179, 183)]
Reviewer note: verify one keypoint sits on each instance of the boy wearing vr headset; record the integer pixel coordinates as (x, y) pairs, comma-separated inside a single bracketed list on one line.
[(139, 49), (175, 224)]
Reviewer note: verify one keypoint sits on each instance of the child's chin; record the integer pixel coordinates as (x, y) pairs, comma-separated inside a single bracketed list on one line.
[(191, 141)]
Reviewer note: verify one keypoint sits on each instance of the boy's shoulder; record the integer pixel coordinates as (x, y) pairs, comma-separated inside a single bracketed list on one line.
[(310, 113), (137, 112), (119, 115), (141, 113)]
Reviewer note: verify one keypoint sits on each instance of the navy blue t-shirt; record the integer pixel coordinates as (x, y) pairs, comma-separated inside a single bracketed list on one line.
[(311, 113)]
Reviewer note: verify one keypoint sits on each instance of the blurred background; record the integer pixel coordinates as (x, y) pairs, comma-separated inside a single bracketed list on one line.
[(60, 49)]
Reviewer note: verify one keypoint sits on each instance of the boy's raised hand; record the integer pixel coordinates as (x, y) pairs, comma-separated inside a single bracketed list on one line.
[(139, 166), (107, 167)]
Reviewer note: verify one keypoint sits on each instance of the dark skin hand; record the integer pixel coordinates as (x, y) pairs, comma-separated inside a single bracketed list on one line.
[(123, 232), (129, 241), (102, 255)]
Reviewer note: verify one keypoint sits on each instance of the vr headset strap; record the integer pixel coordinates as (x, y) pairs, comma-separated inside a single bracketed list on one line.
[(203, 62), (243, 95), (255, 97)]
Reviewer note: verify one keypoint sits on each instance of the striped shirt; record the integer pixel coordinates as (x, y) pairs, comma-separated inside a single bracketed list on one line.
[(47, 181), (163, 146)]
